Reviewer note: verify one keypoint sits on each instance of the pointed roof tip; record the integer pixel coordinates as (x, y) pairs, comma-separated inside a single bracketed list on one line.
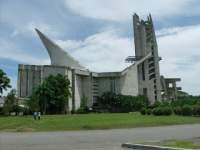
[(42, 35), (37, 30), (57, 55)]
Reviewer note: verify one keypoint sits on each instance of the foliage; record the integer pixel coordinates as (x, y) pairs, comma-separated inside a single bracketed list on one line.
[(4, 81), (122, 103), (11, 103), (82, 110), (196, 110), (162, 111), (189, 100), (33, 103), (178, 110), (52, 95), (187, 110), (188, 106), (143, 111), (156, 104), (149, 111)]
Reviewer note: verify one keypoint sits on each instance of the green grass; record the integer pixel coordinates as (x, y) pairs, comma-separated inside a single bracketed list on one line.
[(183, 144), (90, 121)]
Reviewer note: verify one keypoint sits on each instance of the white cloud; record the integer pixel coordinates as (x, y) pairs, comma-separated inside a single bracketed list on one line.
[(120, 10), (28, 29), (180, 50), (9, 50), (105, 51)]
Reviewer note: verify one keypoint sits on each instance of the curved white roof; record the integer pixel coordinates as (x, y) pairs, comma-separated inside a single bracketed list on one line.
[(58, 56)]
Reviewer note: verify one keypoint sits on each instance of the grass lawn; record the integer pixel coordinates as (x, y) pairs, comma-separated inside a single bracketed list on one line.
[(90, 121), (183, 144)]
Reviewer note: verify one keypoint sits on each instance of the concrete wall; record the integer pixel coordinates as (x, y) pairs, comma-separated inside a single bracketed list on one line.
[(129, 82), (29, 77), (82, 88), (125, 82), (109, 84), (87, 89)]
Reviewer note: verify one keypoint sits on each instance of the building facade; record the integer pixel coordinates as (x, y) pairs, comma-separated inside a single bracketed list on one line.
[(142, 77)]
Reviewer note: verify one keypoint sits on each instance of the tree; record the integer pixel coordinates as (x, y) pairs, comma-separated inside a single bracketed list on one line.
[(11, 103), (52, 95), (33, 103), (4, 81)]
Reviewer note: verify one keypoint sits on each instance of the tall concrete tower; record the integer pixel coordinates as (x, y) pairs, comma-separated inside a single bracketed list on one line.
[(148, 71)]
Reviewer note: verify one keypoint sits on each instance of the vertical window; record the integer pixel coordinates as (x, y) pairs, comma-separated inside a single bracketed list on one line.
[(113, 86), (143, 71)]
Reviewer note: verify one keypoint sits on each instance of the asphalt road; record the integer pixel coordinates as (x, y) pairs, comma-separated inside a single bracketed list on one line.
[(94, 139)]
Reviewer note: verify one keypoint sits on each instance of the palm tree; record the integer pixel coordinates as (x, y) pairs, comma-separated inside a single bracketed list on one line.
[(4, 81)]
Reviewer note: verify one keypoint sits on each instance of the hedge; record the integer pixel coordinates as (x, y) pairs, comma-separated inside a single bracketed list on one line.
[(162, 111)]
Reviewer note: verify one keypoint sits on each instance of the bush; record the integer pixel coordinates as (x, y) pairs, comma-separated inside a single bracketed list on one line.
[(178, 110), (189, 100), (155, 105), (121, 103), (143, 111), (162, 111), (149, 111), (187, 110), (157, 111), (82, 110), (196, 110), (167, 111)]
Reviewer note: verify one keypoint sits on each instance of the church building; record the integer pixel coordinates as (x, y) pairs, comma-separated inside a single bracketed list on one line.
[(141, 77)]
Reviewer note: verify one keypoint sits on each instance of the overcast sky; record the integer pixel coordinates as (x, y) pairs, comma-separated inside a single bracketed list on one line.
[(99, 34)]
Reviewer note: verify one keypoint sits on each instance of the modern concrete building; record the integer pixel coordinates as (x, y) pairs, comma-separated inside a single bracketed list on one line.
[(142, 77)]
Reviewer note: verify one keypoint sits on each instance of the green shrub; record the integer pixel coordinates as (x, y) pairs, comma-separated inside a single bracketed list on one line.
[(155, 105), (82, 110), (167, 111), (165, 104), (157, 111), (189, 100), (178, 110), (121, 103), (162, 111), (196, 110), (149, 111), (143, 111), (187, 110)]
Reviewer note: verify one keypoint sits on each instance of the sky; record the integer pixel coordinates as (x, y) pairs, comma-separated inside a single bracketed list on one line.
[(99, 34)]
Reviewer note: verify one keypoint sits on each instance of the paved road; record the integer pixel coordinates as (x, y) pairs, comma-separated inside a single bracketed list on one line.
[(94, 140)]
